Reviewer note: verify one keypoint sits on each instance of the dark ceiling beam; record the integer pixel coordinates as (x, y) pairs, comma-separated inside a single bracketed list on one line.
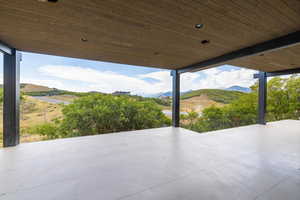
[(280, 73), (271, 45), (4, 48)]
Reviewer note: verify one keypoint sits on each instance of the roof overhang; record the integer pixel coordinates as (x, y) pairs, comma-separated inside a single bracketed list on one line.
[(156, 33)]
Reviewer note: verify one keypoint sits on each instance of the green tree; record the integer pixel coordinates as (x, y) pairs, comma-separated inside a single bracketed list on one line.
[(293, 92), (213, 118), (49, 130), (97, 114), (242, 111), (278, 99), (188, 120), (283, 102)]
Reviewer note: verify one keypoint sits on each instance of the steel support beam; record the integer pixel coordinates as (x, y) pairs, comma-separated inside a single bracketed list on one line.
[(175, 98), (4, 48), (280, 73), (271, 45), (262, 98), (11, 99)]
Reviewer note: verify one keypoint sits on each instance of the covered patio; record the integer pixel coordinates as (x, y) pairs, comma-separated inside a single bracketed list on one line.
[(253, 162)]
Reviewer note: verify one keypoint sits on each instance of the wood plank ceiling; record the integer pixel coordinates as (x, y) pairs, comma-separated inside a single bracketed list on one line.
[(150, 32)]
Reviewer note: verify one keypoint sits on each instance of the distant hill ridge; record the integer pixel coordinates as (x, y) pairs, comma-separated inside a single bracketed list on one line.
[(224, 96), (217, 95), (28, 87), (168, 94), (239, 88), (39, 90)]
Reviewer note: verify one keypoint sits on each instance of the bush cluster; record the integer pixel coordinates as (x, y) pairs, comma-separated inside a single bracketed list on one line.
[(283, 102), (98, 114)]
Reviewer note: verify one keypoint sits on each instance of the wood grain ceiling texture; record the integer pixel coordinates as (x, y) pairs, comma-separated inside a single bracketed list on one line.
[(150, 32)]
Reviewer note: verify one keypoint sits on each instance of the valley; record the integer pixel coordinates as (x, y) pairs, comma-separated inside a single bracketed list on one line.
[(42, 104)]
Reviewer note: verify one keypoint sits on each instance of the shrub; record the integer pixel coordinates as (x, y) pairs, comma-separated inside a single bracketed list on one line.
[(50, 130), (283, 102), (98, 114)]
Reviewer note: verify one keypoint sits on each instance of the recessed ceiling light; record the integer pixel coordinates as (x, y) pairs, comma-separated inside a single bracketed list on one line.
[(52, 1), (199, 26), (84, 39), (205, 42)]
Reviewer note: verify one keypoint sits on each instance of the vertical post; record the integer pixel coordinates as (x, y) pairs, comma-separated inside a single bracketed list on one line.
[(175, 98), (262, 98), (11, 98)]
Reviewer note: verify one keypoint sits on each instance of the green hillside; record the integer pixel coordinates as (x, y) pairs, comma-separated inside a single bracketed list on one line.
[(39, 90), (217, 95)]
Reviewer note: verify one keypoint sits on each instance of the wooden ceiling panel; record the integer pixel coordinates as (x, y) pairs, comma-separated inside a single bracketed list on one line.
[(150, 32), (282, 59)]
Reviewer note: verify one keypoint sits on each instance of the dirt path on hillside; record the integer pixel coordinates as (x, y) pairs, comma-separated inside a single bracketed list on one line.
[(197, 104)]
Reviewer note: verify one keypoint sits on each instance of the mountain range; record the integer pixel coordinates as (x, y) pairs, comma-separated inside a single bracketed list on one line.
[(232, 88), (38, 90), (193, 100), (239, 88)]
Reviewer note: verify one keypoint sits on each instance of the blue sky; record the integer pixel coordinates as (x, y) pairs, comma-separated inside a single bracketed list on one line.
[(85, 75)]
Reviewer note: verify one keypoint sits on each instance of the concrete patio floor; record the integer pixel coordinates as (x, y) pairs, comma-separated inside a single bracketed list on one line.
[(251, 162)]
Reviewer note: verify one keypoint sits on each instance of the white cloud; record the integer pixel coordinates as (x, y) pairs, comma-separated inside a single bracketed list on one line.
[(104, 81), (216, 78), (45, 82), (108, 81)]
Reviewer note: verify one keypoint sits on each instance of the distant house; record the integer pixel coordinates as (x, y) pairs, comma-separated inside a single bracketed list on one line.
[(120, 93)]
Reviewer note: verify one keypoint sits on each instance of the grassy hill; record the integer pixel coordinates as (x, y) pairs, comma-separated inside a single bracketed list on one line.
[(39, 90), (33, 112), (197, 103), (217, 95), (27, 87)]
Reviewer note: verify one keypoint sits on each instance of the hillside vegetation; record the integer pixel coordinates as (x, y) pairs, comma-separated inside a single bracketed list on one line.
[(198, 104), (96, 113), (91, 113), (99, 114), (33, 112), (217, 95), (28, 87), (39, 90), (283, 102)]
